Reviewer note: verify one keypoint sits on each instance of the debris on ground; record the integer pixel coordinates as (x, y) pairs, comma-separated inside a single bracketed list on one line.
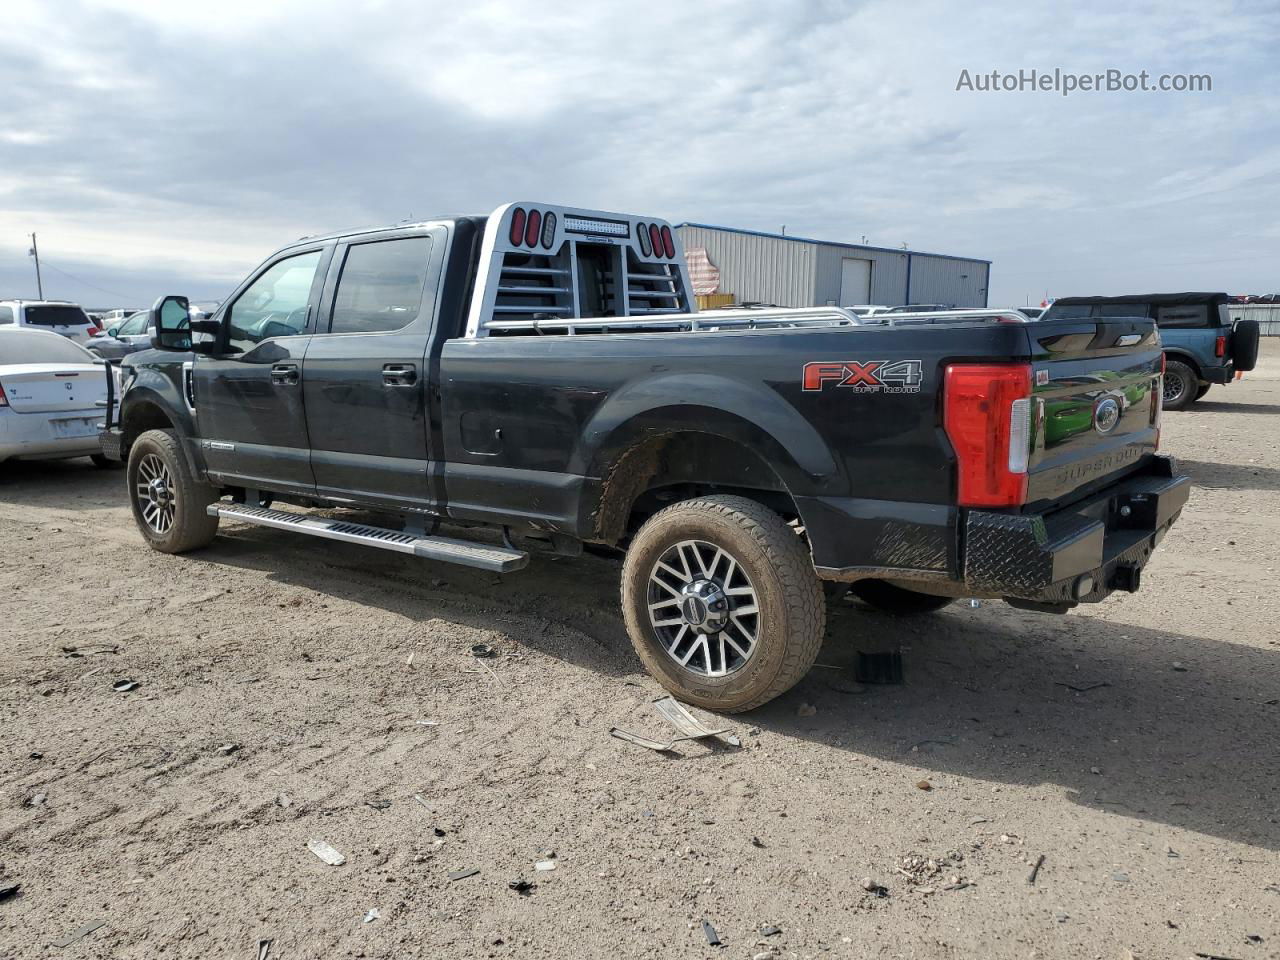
[(806, 710), (923, 785), (378, 803), (463, 874), (757, 842), (482, 651), (228, 748), (921, 870), (79, 934), (522, 886), (874, 888), (545, 865), (264, 948), (124, 686), (372, 915), (36, 800), (10, 890), (1120, 877), (770, 931), (1081, 688), (709, 932), (422, 802), (1035, 870), (885, 668), (686, 724), (284, 800), (326, 853)]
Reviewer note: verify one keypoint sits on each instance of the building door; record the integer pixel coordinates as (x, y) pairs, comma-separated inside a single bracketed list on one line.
[(855, 281)]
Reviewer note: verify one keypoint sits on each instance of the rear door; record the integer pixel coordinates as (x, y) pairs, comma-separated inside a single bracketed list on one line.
[(248, 403), (1096, 407), (365, 377)]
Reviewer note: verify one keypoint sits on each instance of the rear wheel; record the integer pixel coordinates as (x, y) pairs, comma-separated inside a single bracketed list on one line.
[(891, 598), (722, 602), (168, 502), (1180, 385), (1204, 388)]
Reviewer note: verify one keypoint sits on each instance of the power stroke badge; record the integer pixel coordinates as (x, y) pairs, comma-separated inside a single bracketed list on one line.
[(864, 376)]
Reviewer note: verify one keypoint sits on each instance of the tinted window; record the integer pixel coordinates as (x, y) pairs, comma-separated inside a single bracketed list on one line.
[(1067, 312), (60, 316), (1193, 315), (381, 285), (6, 314), (274, 305), (1112, 310)]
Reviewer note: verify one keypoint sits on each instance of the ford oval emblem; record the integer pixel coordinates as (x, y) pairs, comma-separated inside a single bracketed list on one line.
[(1106, 415)]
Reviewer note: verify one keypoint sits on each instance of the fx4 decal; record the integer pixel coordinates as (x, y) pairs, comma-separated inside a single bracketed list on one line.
[(864, 376)]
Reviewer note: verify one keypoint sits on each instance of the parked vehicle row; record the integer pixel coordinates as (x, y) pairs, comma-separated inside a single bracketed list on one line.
[(542, 373)]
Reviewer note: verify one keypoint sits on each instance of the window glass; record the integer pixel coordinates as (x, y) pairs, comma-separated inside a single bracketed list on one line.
[(1073, 311), (40, 346), (59, 316), (1115, 310), (135, 325), (275, 305), (381, 285), (1193, 315), (6, 314)]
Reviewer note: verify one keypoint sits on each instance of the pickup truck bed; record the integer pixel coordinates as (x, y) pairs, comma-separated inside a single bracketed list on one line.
[(554, 383)]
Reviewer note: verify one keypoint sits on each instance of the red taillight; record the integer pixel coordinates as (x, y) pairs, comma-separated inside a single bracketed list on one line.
[(534, 229), (655, 238), (1163, 362), (96, 331), (1220, 347), (668, 242), (4, 401), (987, 415), (517, 226)]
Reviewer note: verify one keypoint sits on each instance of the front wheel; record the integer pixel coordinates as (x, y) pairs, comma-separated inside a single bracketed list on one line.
[(1180, 385), (168, 502), (722, 602)]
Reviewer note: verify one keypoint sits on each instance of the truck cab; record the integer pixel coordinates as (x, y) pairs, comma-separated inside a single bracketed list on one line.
[(1202, 346)]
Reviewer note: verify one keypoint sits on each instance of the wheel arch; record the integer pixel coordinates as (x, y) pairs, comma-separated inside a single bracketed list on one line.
[(1183, 356)]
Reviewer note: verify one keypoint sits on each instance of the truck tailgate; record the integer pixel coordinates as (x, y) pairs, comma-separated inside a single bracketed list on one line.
[(1095, 407)]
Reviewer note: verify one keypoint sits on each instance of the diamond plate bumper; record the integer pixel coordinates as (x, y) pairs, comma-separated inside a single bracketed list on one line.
[(110, 440), (1081, 553)]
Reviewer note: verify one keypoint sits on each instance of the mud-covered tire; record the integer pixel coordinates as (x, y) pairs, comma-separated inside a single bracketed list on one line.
[(157, 455), (790, 617), (891, 598), (1180, 385)]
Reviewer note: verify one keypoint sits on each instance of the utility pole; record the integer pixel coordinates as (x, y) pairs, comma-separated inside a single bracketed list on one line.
[(35, 252)]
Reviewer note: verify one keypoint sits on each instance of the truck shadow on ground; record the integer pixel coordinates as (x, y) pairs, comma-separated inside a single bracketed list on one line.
[(1180, 728), (1231, 476), (1210, 406)]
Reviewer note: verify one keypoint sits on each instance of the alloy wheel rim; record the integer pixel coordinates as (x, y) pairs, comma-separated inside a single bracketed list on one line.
[(703, 608), (1173, 388), (155, 494)]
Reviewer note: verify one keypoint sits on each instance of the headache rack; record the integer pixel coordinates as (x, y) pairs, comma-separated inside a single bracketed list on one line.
[(709, 322)]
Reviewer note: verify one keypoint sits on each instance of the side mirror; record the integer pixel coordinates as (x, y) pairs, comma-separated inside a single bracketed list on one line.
[(171, 322), (111, 331)]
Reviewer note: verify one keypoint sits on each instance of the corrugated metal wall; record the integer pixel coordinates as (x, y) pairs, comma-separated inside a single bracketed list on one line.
[(961, 283), (888, 274), (1267, 315), (766, 269), (806, 273)]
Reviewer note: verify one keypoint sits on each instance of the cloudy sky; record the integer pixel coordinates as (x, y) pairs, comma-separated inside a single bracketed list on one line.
[(162, 147)]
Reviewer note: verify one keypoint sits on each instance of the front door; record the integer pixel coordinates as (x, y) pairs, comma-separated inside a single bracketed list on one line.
[(365, 378), (248, 400)]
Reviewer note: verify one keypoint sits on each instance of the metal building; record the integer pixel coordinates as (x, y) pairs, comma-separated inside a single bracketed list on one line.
[(798, 272)]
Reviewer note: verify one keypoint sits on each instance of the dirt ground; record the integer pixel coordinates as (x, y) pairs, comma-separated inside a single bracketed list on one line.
[(292, 690)]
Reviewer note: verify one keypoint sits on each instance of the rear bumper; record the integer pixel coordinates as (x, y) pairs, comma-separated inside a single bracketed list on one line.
[(1224, 374), (1079, 554)]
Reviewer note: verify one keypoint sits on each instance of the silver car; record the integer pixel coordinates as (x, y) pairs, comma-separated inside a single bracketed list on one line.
[(123, 338)]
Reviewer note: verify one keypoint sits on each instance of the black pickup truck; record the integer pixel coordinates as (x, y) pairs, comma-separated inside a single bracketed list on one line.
[(539, 380)]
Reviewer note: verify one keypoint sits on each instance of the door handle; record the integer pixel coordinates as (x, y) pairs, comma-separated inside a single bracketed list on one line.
[(399, 374), (285, 374)]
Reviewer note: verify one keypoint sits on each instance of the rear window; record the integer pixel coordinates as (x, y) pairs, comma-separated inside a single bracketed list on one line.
[(1113, 311), (58, 316), (1068, 312), (1192, 315), (36, 346)]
